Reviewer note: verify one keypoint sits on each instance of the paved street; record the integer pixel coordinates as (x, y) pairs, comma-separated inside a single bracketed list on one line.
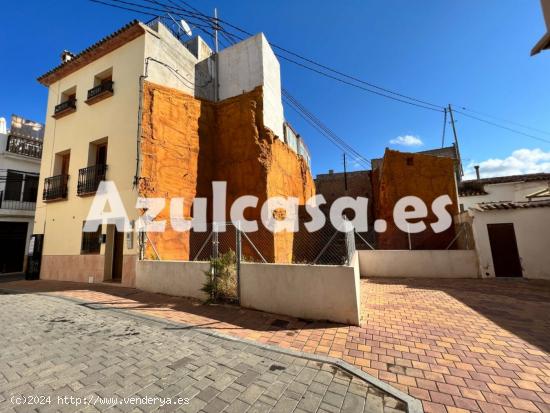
[(54, 349), (458, 345)]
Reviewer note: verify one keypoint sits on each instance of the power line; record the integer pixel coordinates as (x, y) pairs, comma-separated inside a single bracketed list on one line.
[(294, 104), (505, 120), (380, 91), (283, 49), (503, 127), (383, 92), (323, 129)]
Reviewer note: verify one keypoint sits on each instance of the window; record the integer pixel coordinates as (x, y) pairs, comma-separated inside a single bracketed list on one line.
[(67, 104), (104, 77), (14, 184), (91, 241), (103, 87), (30, 190)]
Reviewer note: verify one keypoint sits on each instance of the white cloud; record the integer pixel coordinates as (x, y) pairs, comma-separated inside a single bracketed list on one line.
[(407, 140), (522, 161)]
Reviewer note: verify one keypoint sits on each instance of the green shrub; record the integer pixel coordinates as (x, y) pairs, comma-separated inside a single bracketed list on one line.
[(221, 278)]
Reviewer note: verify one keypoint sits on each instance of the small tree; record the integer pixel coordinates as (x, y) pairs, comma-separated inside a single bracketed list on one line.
[(221, 278)]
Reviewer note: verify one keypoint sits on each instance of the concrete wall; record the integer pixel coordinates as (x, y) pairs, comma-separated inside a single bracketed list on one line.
[(306, 291), (178, 278), (247, 65), (421, 264), (311, 292), (161, 45), (532, 228)]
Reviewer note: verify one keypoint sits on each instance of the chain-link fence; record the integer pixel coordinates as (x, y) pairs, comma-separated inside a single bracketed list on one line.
[(327, 246)]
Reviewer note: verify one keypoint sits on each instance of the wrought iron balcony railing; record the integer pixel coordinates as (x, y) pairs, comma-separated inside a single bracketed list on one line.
[(55, 187), (89, 179), (24, 146), (100, 92), (65, 108)]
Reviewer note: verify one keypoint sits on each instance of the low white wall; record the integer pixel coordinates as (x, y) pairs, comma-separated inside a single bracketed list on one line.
[(419, 263), (312, 292), (179, 278)]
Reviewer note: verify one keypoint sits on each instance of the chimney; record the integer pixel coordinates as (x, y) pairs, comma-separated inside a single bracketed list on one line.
[(66, 56), (477, 171), (330, 171)]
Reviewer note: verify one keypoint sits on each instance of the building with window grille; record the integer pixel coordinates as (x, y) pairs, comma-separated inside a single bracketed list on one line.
[(160, 116), (20, 153)]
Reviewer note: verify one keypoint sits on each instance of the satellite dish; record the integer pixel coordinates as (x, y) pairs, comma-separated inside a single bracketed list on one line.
[(185, 27)]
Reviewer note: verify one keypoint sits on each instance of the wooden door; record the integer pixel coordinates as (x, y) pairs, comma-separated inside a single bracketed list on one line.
[(117, 255), (101, 154), (504, 250), (65, 159)]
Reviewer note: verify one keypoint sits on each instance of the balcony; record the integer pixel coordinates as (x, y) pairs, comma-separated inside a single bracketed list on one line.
[(89, 179), (55, 188), (65, 108), (100, 92), (15, 204), (24, 146)]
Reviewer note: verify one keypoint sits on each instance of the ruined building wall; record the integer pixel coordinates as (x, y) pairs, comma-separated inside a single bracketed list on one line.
[(424, 176), (172, 123), (187, 143)]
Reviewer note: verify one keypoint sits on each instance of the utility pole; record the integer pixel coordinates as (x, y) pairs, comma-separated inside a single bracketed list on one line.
[(217, 58), (444, 127), (345, 174), (456, 141), (216, 30)]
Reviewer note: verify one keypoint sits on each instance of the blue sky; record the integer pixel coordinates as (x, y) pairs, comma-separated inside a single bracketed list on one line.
[(470, 53)]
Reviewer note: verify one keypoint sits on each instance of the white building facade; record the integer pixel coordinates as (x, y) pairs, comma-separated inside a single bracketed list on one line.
[(511, 224), (20, 153)]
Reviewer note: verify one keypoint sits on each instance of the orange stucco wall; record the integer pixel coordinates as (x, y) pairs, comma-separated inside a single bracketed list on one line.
[(187, 143), (423, 176)]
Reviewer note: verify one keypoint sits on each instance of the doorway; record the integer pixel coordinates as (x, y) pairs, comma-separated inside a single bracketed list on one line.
[(13, 237), (114, 247), (504, 250)]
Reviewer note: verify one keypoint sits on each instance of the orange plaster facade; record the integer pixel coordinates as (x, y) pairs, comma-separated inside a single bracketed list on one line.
[(424, 176), (187, 143)]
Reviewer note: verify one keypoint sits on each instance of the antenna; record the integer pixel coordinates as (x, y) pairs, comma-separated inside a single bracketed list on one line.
[(182, 25), (185, 27)]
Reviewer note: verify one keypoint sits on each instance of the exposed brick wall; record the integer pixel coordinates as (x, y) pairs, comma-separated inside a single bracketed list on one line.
[(187, 143)]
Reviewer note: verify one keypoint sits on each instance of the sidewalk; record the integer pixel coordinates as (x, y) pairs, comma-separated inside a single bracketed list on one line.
[(458, 345)]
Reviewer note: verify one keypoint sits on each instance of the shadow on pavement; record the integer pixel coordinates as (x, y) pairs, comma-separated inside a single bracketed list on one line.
[(519, 306)]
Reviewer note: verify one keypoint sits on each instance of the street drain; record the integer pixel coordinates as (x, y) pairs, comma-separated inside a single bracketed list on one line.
[(279, 323)]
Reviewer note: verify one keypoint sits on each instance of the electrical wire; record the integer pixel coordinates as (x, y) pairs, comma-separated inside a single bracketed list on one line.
[(504, 120), (502, 126), (383, 92)]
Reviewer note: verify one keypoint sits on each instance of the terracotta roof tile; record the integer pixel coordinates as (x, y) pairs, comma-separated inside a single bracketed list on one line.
[(109, 43), (491, 206)]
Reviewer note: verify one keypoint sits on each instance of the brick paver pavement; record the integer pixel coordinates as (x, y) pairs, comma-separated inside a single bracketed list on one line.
[(57, 354), (458, 345)]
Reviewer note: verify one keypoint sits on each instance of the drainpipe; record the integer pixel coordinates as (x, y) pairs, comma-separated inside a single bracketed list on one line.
[(140, 114)]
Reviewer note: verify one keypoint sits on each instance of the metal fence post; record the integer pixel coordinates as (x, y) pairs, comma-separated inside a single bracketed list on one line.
[(215, 240), (215, 252), (238, 256)]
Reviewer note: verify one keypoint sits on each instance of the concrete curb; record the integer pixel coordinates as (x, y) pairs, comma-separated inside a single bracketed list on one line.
[(413, 405)]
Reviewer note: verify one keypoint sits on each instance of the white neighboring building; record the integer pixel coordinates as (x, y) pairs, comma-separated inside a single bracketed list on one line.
[(511, 224), (20, 153)]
